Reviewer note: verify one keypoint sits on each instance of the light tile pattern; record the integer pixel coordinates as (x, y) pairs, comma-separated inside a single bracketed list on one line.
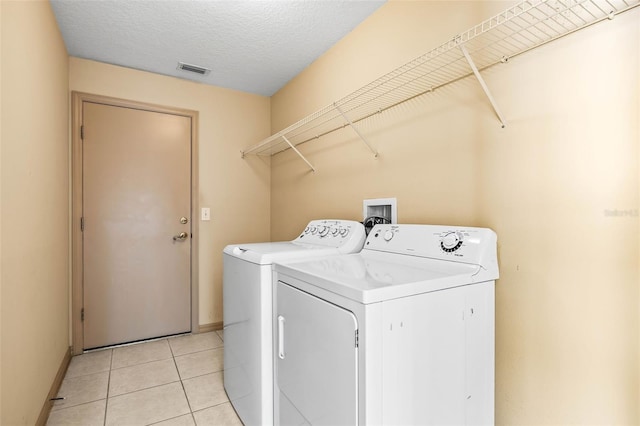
[(200, 363), (142, 376), (141, 353), (205, 391), (82, 389), (222, 414), (170, 382), (89, 414)]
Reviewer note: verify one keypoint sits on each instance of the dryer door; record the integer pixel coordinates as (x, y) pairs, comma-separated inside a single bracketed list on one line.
[(316, 361)]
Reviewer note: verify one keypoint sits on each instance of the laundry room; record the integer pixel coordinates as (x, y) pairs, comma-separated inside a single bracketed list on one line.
[(542, 147)]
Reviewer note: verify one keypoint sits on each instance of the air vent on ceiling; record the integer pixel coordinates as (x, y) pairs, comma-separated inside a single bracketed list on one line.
[(193, 68)]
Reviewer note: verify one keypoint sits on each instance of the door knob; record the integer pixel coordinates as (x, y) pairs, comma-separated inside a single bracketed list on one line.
[(180, 237)]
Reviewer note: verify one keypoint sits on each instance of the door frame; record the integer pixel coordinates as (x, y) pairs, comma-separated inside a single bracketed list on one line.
[(77, 98)]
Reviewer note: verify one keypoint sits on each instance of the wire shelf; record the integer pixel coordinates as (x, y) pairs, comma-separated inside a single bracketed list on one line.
[(516, 30)]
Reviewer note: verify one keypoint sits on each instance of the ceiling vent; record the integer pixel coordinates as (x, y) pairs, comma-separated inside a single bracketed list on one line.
[(193, 68)]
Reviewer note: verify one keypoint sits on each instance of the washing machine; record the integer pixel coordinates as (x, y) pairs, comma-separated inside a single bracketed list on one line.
[(401, 333), (247, 299)]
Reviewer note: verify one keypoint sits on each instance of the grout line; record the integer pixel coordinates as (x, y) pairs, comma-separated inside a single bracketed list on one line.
[(106, 402), (181, 382), (78, 405), (143, 389), (142, 363), (203, 374), (149, 362), (78, 376), (56, 407), (171, 418), (199, 351), (69, 370), (186, 397), (171, 349), (213, 406)]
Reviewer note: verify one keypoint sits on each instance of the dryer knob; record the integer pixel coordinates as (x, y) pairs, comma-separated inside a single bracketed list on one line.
[(388, 236), (451, 242)]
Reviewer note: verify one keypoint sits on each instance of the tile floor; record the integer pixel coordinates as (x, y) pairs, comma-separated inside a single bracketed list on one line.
[(170, 382)]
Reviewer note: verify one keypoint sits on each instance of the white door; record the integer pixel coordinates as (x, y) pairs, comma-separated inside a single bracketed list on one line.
[(136, 208), (316, 361)]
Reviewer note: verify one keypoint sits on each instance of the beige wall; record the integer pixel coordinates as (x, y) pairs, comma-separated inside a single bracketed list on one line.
[(236, 190), (0, 208), (567, 300), (35, 208), (398, 32)]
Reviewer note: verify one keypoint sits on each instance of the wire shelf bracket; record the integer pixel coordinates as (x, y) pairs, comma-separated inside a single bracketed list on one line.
[(516, 30), (487, 92), (355, 129), (313, 169)]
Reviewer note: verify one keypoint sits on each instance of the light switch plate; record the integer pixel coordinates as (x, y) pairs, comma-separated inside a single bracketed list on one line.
[(205, 213)]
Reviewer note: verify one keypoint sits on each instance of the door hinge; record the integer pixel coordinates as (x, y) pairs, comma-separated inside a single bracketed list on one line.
[(81, 224), (82, 315), (82, 132), (357, 339)]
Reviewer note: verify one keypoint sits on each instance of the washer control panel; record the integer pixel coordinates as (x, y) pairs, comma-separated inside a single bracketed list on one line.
[(462, 244), (332, 233)]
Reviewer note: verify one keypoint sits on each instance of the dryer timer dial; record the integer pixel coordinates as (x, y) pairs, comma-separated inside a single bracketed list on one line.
[(451, 242)]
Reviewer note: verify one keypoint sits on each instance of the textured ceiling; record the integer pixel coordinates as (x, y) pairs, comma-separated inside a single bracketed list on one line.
[(254, 46)]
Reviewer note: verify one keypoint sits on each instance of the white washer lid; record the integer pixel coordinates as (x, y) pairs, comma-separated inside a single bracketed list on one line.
[(267, 253), (370, 276)]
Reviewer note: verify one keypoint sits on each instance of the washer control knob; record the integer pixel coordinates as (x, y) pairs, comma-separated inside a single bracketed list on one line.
[(388, 236), (313, 229), (344, 232), (334, 231), (323, 230), (451, 242), (307, 229)]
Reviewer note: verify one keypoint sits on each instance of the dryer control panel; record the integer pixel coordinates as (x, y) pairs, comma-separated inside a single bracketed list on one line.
[(454, 243), (343, 234)]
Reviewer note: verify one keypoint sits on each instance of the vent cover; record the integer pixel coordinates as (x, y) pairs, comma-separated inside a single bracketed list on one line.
[(193, 68)]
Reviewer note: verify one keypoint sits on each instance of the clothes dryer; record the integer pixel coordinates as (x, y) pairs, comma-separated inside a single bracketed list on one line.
[(247, 299), (400, 333)]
